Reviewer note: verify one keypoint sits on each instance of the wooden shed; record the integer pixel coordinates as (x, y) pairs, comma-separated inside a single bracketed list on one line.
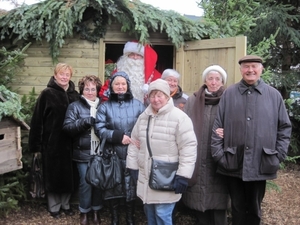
[(10, 144), (11, 124), (181, 44)]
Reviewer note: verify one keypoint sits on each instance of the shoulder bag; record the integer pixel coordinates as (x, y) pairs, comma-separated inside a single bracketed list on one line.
[(37, 187), (162, 173), (104, 169)]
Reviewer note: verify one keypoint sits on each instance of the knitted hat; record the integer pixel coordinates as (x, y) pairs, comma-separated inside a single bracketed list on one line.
[(250, 58), (160, 85), (170, 73), (120, 74), (215, 68), (133, 47)]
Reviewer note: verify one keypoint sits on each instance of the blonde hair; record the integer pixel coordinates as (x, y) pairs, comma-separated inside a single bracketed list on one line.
[(63, 66)]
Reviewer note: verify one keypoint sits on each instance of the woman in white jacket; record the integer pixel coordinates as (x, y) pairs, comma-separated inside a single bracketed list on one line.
[(172, 138)]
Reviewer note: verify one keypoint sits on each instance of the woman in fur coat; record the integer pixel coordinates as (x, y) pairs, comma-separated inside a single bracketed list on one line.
[(46, 136)]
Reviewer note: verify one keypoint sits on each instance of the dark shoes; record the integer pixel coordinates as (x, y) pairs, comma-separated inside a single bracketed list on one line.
[(84, 219), (68, 212), (55, 215), (96, 217)]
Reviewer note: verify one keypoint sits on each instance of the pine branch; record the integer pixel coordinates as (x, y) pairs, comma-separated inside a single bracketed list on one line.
[(55, 20)]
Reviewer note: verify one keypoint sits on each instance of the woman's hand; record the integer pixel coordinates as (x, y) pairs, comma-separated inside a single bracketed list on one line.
[(126, 140), (136, 143), (219, 132)]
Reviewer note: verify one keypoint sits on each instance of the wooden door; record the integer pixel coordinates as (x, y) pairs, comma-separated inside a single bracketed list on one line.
[(194, 56)]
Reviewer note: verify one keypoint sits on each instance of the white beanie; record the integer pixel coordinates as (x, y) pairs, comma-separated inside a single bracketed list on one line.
[(217, 68), (160, 85), (170, 73), (133, 47)]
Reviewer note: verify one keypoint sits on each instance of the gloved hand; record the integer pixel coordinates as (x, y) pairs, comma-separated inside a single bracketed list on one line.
[(134, 175), (90, 121), (180, 184)]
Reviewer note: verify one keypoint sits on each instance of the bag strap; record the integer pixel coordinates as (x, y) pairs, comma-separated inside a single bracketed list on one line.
[(101, 145), (147, 137)]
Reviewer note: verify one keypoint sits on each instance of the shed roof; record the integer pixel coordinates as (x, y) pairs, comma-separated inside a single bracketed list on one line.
[(56, 20), (10, 113)]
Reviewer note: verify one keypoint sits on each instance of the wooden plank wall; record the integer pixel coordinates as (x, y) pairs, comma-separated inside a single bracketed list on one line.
[(195, 56), (80, 54), (85, 58)]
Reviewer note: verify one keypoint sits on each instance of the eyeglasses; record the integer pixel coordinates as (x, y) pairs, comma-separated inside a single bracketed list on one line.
[(90, 90)]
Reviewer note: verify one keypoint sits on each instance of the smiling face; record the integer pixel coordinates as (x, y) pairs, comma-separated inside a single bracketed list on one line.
[(119, 85), (251, 71), (173, 83), (90, 91), (63, 77), (213, 81)]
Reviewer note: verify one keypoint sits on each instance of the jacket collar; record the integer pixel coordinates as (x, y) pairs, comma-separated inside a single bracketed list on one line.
[(244, 88), (164, 110), (53, 84)]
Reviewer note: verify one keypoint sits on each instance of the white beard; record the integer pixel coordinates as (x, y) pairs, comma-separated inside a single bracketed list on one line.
[(135, 70)]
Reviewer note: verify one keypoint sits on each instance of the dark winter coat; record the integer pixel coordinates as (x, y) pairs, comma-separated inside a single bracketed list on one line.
[(115, 118), (209, 191), (179, 98), (257, 132), (77, 125), (46, 136)]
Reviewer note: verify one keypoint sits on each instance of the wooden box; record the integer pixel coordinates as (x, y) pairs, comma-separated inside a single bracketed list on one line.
[(10, 145)]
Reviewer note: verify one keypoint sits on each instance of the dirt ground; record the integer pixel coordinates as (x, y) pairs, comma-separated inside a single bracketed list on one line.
[(279, 208)]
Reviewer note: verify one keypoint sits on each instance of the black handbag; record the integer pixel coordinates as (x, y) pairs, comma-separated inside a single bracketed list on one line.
[(37, 187), (104, 169), (162, 173)]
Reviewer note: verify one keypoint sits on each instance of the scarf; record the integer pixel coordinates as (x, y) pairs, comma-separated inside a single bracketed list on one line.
[(203, 97), (94, 139), (174, 92)]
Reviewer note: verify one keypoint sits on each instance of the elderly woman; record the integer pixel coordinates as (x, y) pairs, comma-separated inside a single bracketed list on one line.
[(172, 77), (172, 138), (208, 196), (79, 124), (46, 136), (114, 122)]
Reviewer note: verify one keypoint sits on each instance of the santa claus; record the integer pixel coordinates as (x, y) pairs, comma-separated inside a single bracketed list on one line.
[(139, 63)]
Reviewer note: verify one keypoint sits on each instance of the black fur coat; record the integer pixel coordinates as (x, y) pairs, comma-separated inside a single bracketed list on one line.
[(46, 136)]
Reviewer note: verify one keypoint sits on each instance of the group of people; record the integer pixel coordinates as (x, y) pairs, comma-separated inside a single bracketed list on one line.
[(227, 142)]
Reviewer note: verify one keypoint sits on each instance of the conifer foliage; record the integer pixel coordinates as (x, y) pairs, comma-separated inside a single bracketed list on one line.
[(56, 20)]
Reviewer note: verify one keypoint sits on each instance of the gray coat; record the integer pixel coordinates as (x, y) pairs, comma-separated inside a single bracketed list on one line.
[(209, 191), (257, 132)]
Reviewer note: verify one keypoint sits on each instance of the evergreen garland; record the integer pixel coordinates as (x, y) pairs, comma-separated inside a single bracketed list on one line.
[(56, 20)]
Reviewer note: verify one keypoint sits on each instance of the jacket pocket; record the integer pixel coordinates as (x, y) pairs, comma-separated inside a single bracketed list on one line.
[(230, 159), (269, 161)]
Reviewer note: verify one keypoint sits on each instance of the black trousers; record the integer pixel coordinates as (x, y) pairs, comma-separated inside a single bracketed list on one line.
[(211, 217), (246, 198)]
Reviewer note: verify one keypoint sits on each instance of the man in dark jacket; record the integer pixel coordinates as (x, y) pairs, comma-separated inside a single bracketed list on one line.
[(256, 137), (46, 136)]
